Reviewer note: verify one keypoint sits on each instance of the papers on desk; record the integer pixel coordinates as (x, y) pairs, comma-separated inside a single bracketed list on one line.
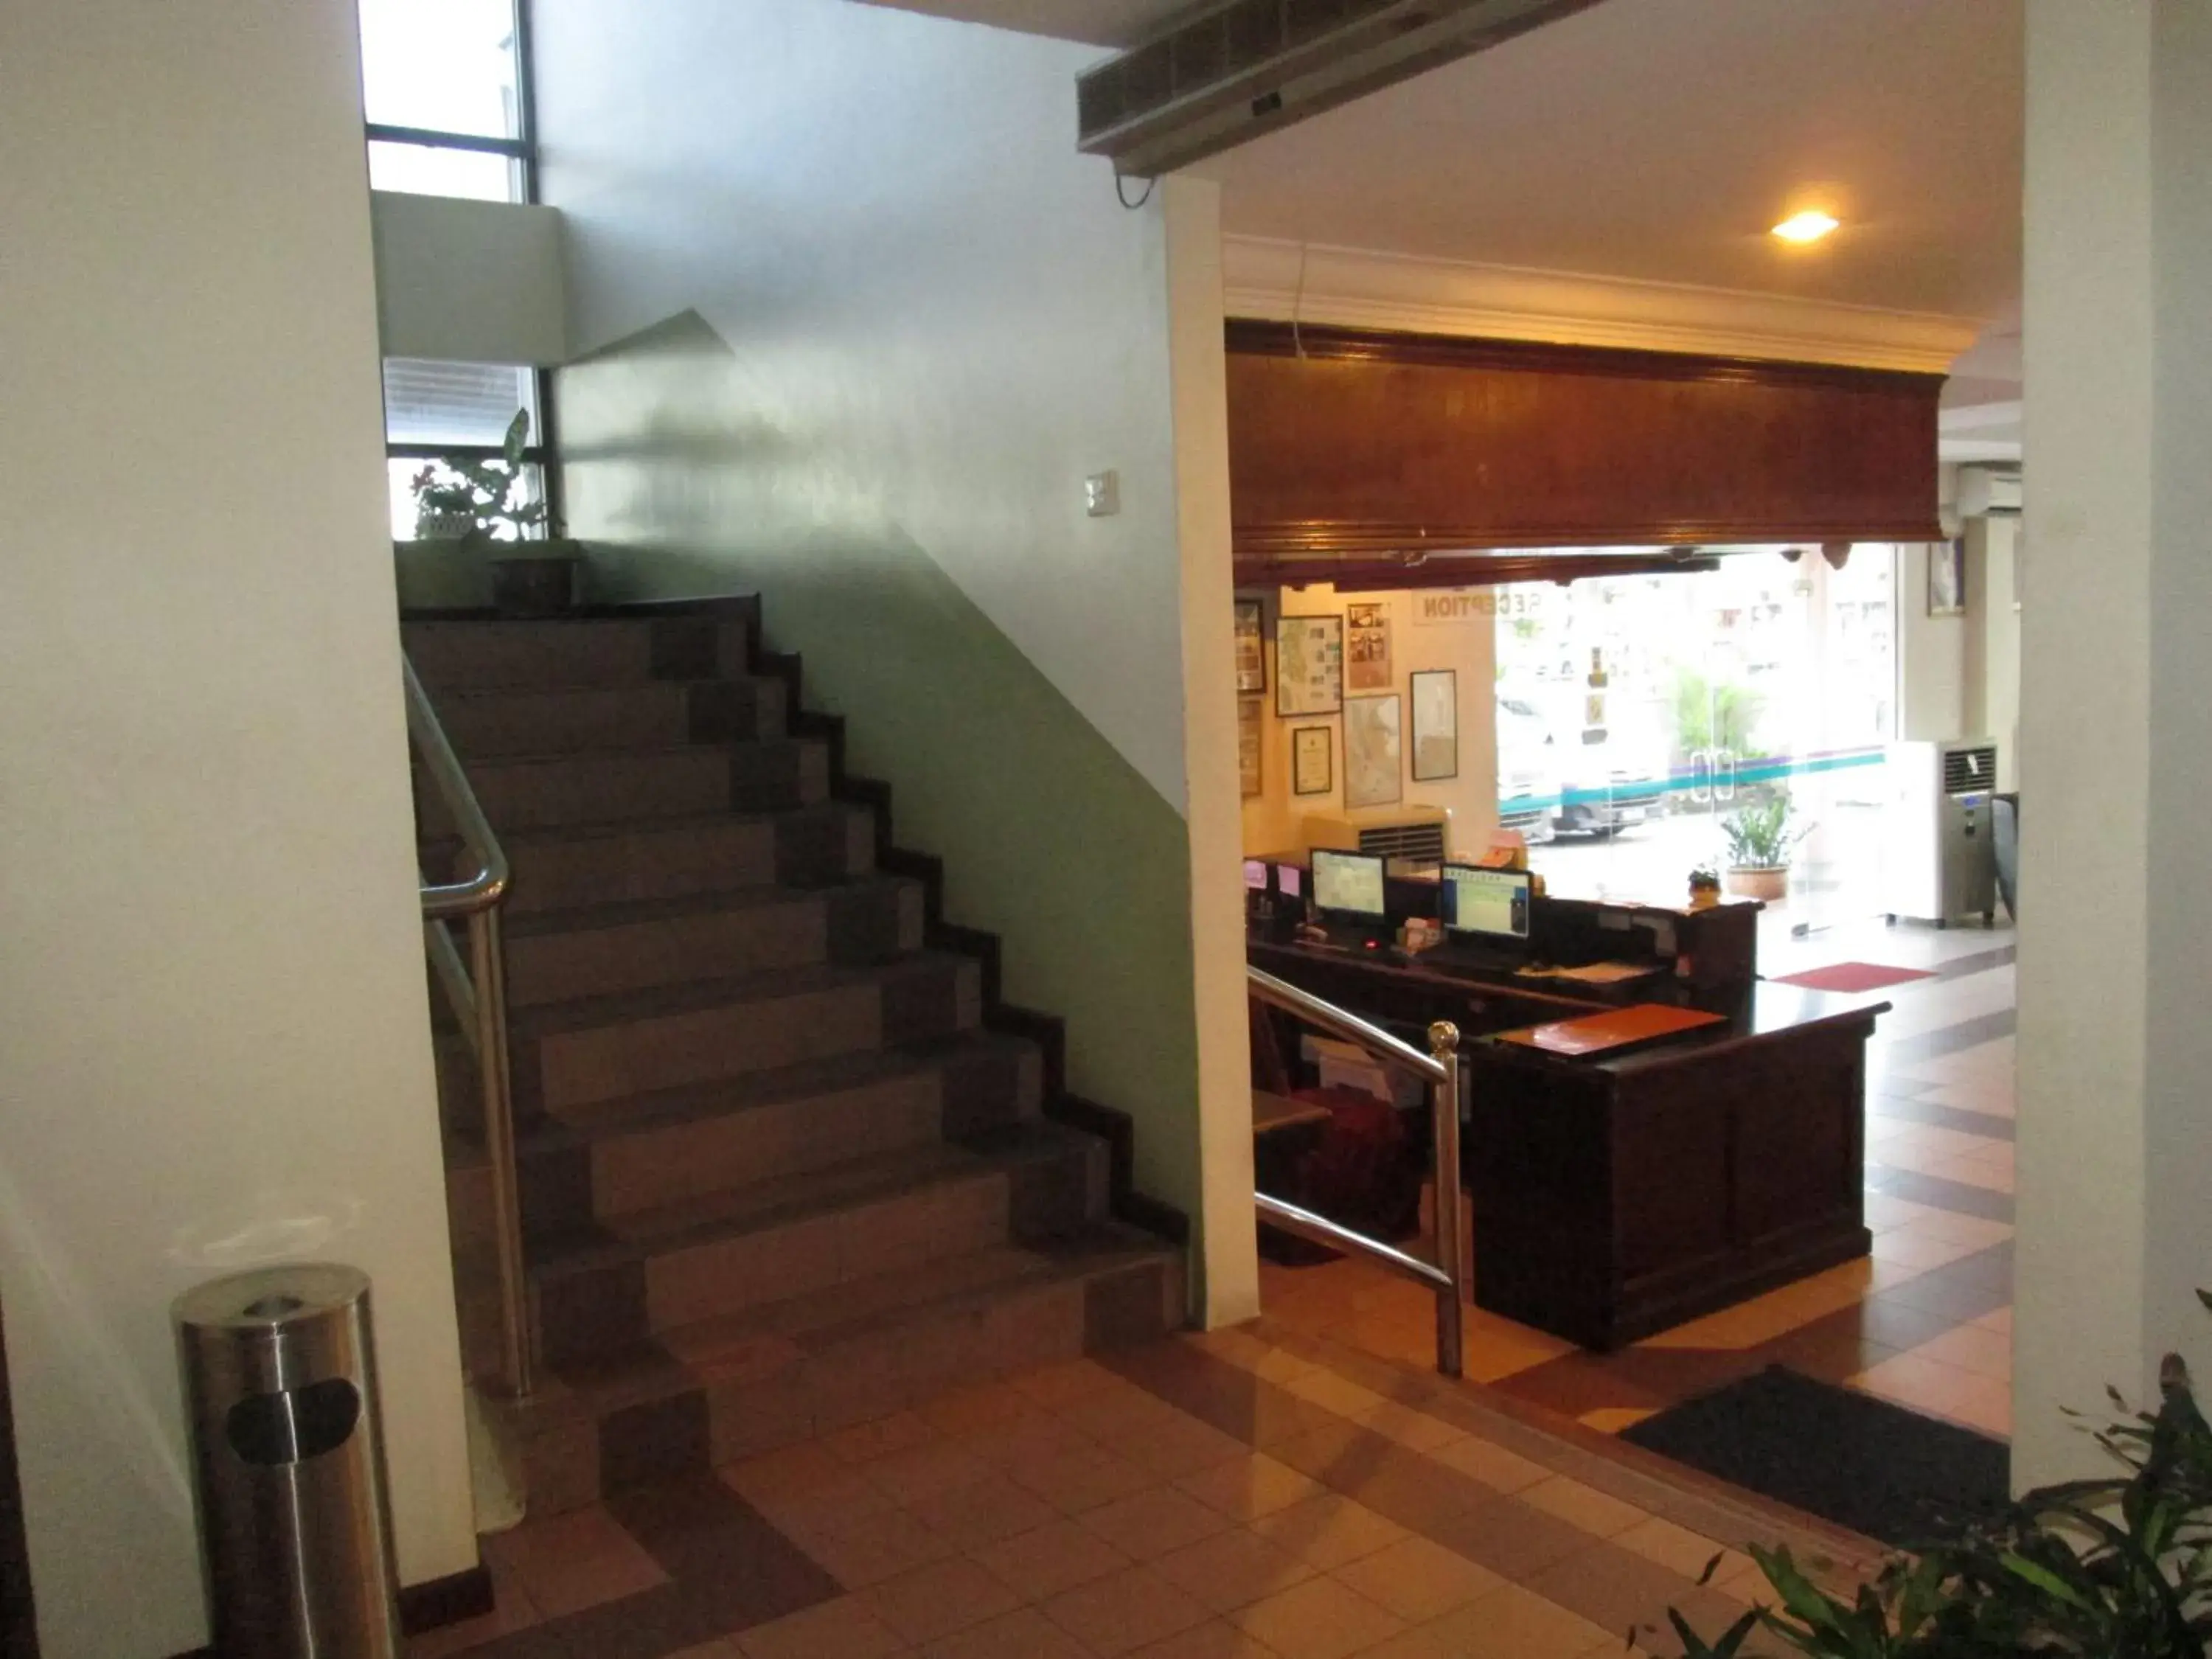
[(1612, 1031), (1595, 973)]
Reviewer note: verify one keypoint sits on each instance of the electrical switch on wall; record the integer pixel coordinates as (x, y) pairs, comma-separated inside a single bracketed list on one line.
[(1102, 495)]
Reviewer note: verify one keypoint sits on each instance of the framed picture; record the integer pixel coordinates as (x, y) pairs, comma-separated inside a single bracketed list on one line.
[(1251, 661), (1372, 753), (1248, 743), (1436, 725), (1309, 665), (1946, 578), (1366, 648), (1312, 756)]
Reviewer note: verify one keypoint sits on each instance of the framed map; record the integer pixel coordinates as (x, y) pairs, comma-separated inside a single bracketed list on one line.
[(1372, 752), (1436, 725), (1309, 665)]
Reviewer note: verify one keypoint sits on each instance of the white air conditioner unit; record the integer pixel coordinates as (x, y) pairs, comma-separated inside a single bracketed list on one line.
[(1219, 77), (1939, 832), (1986, 492), (1409, 835)]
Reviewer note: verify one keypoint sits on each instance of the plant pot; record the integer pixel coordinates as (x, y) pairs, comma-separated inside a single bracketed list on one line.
[(536, 585), (1770, 884), (454, 526)]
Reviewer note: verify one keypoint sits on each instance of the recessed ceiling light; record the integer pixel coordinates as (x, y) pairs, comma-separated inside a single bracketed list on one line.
[(1809, 225)]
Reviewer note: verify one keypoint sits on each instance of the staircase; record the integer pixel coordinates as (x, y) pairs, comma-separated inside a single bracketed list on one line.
[(783, 1167)]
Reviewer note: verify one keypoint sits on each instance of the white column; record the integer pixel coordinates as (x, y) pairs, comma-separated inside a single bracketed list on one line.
[(2116, 715)]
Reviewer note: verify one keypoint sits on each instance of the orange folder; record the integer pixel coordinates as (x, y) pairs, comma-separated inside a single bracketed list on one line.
[(1613, 1030)]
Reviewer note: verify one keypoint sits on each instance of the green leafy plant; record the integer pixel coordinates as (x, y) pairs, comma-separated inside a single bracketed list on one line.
[(2116, 1568), (493, 492), (1705, 880), (1710, 716), (1759, 836)]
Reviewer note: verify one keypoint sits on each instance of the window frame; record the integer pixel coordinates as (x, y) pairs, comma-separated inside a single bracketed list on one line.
[(522, 149)]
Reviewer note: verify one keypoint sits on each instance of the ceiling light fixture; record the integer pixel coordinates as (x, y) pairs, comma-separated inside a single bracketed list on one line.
[(1810, 226)]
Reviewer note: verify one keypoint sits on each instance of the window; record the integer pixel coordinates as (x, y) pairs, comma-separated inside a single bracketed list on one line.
[(446, 86)]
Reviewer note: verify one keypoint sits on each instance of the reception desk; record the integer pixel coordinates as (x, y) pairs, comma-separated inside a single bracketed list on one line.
[(1611, 1197)]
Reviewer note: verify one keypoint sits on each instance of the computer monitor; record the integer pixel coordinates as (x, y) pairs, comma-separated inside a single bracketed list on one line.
[(1255, 875), (1486, 903), (1289, 881), (1348, 885)]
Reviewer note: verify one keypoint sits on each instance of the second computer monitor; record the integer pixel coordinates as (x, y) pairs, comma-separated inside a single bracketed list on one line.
[(1348, 885), (1486, 903)]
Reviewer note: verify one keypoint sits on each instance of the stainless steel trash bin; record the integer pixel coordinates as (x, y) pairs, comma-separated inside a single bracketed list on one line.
[(280, 1384)]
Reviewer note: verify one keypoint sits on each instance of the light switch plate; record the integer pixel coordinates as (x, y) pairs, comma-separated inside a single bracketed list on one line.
[(1102, 495)]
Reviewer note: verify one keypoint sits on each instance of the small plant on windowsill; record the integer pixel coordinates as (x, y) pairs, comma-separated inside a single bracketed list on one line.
[(1759, 840), (486, 503), (2119, 1568), (1704, 887)]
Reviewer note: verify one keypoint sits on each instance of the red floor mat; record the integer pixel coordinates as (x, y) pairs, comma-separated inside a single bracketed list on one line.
[(1853, 976)]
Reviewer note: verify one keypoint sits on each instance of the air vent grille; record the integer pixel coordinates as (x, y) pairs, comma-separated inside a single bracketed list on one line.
[(1418, 843), (1970, 771)]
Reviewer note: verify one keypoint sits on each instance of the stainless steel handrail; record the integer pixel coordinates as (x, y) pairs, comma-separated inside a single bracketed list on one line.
[(1440, 1068), (478, 992)]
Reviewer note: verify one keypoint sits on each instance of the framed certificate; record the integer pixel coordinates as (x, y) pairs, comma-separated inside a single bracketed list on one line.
[(1248, 744), (1366, 647), (1312, 764), (1309, 665)]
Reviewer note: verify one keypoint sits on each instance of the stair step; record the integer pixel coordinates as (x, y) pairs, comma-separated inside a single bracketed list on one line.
[(574, 866), (653, 714), (597, 1048), (726, 1252), (544, 791), (615, 1158), (709, 1393), (506, 655), (556, 955)]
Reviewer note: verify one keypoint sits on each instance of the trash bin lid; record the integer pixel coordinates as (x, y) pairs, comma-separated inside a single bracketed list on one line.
[(268, 1299)]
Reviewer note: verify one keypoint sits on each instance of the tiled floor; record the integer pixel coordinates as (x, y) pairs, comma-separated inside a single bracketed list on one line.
[(1256, 1492), (1926, 1322)]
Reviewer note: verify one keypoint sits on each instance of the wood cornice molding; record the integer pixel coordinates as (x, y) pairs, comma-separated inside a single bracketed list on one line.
[(1266, 278)]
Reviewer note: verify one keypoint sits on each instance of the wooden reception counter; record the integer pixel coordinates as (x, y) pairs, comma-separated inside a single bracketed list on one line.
[(1614, 1196)]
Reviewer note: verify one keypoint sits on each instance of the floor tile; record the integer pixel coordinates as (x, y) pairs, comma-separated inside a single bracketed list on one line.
[(1150, 1523), (1581, 1505), (1972, 1348), (1124, 1611), (982, 1513), (1517, 1623), (870, 1549), (1215, 1639), (1418, 1580), (842, 1629), (1686, 1552), (1058, 1556), (1025, 1634), (1249, 1486), (1231, 1570), (940, 1599), (1320, 1618), (1495, 1467), (1330, 1531), (575, 1561)]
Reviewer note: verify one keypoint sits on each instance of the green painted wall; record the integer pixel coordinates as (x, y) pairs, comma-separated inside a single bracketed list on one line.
[(1050, 838)]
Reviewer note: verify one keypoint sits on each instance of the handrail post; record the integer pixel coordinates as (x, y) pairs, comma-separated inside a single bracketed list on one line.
[(490, 972), (1443, 1047)]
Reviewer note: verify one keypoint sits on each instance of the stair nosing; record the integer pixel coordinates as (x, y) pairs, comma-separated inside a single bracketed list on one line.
[(560, 921), (553, 1019)]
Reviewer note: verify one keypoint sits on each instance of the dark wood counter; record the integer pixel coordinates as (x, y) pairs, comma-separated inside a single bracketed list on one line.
[(1615, 1197)]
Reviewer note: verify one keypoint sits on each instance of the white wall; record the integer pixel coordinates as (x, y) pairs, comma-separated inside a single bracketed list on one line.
[(1931, 657), (468, 281), (1990, 668), (213, 1043), (939, 300), (2116, 719)]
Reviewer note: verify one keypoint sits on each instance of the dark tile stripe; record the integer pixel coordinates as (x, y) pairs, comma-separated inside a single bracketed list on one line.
[(1945, 1117), (1949, 1040), (1960, 1197), (1981, 961)]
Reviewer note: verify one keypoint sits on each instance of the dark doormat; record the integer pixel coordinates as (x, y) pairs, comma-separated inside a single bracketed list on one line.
[(1878, 1469)]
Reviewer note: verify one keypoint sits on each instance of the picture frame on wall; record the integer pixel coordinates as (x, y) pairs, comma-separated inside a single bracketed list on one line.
[(1366, 647), (1249, 744), (1436, 725), (1309, 665), (1251, 659), (1946, 578), (1373, 751), (1312, 761)]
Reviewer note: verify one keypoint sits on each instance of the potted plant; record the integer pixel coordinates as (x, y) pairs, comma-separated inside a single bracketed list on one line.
[(1759, 842), (2119, 1568), (484, 503), (1705, 888)]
